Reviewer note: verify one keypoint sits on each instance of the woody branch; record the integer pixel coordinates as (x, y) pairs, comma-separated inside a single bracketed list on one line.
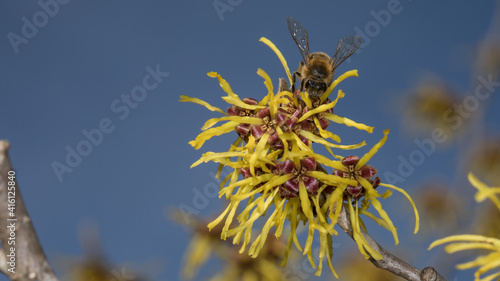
[(24, 260), (390, 262)]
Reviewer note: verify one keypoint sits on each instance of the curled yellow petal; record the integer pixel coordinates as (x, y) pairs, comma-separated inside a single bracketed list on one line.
[(262, 147), (235, 100), (372, 151), (319, 109), (339, 79), (457, 247), (269, 86), (358, 236), (376, 219), (337, 165), (402, 191), (322, 108), (312, 137), (372, 194), (201, 102), (329, 253), (324, 133), (218, 157), (220, 217), (484, 191), (305, 97), (466, 238), (322, 252), (239, 119), (331, 179), (280, 56), (293, 222), (348, 122), (304, 201), (254, 250), (212, 132), (223, 83)]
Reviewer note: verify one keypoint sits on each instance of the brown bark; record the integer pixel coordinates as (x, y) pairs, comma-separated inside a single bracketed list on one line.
[(390, 262)]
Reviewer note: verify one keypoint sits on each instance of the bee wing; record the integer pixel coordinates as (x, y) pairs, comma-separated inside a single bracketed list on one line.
[(345, 48), (300, 36)]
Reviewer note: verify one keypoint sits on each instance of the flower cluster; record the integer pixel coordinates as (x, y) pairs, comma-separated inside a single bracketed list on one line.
[(277, 176), (488, 262)]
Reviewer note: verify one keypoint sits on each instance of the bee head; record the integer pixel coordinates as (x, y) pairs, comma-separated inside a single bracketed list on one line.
[(315, 88)]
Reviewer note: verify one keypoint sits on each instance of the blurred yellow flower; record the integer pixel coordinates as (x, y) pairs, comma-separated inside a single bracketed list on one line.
[(486, 263), (236, 266), (440, 208), (198, 252), (468, 242), (484, 160), (433, 104)]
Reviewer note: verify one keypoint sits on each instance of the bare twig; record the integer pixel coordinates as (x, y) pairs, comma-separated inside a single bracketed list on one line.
[(390, 262), (29, 260)]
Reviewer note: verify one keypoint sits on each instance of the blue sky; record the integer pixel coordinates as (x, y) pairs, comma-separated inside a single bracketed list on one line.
[(103, 79)]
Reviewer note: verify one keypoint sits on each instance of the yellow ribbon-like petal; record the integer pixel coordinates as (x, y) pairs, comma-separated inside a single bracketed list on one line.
[(280, 56), (372, 151), (484, 191), (201, 102), (212, 132), (331, 179), (239, 119), (269, 86), (402, 191), (328, 91), (348, 122), (466, 238), (371, 194), (321, 108), (315, 138)]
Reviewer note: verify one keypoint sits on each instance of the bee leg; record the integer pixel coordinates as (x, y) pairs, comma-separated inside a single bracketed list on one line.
[(302, 85), (294, 81)]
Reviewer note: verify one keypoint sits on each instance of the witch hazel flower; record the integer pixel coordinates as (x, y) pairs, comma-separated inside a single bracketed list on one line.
[(358, 193), (351, 171), (278, 177), (290, 188)]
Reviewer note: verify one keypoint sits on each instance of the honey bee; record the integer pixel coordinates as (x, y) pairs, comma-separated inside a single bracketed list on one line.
[(316, 71)]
